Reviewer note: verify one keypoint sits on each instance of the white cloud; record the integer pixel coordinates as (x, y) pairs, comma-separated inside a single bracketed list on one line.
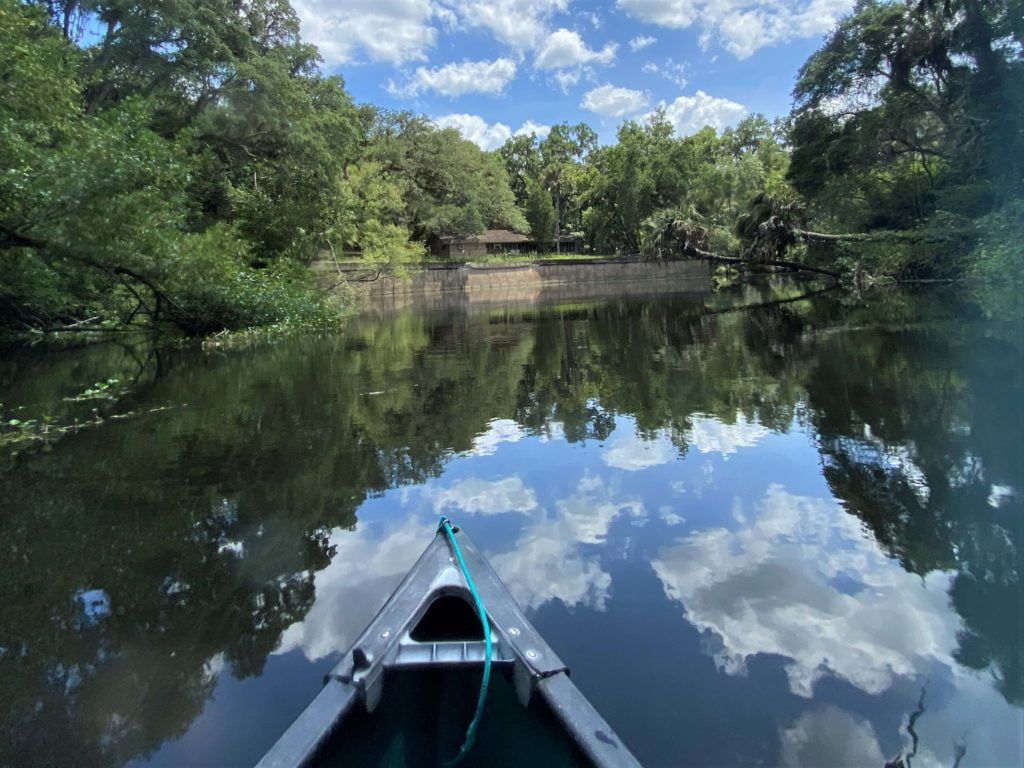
[(521, 24), (396, 31), (567, 78), (688, 114), (769, 587), (710, 435), (565, 49), (640, 42), (473, 127), (742, 26), (476, 496), (490, 136), (611, 101), (674, 72), (498, 430), (674, 14), (457, 79), (630, 452), (669, 515), (540, 130)]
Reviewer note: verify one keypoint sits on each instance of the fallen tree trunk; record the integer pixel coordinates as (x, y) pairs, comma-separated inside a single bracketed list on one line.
[(871, 237), (794, 265)]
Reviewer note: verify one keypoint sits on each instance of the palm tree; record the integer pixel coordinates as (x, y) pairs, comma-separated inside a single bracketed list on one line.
[(675, 231), (769, 227)]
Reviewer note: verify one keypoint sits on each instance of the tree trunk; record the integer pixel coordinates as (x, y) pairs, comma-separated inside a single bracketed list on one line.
[(794, 265), (868, 237)]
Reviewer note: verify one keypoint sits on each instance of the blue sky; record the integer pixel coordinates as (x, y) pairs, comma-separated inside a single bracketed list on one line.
[(493, 68)]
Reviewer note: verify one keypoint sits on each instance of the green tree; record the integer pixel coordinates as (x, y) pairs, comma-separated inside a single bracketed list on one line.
[(521, 156), (910, 108), (540, 213), (169, 171), (449, 185)]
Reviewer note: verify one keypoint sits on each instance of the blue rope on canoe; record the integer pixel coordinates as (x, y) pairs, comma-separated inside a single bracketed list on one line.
[(467, 744)]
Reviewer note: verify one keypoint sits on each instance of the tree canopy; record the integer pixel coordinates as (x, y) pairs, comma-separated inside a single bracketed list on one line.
[(181, 162)]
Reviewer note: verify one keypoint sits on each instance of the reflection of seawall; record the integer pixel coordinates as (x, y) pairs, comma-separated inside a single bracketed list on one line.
[(439, 286)]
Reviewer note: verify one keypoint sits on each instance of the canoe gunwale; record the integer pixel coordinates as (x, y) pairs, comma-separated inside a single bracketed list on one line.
[(386, 644)]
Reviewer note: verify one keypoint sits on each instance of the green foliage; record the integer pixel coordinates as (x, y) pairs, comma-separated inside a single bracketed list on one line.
[(448, 185), (710, 176), (37, 82), (675, 232), (998, 260), (766, 227), (215, 288), (166, 206), (101, 390), (522, 159), (909, 119), (540, 212), (179, 162)]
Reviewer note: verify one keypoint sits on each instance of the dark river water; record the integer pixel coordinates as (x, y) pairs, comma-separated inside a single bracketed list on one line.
[(759, 533)]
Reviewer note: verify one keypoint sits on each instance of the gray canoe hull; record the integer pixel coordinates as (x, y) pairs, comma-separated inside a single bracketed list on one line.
[(387, 644)]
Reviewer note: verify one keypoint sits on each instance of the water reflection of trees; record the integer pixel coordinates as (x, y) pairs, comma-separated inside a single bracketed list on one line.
[(205, 527), (916, 432), (203, 530), (915, 414)]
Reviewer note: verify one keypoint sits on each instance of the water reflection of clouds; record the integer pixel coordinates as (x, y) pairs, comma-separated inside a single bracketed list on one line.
[(1001, 495), (589, 512), (711, 435), (800, 579), (363, 572), (632, 452), (776, 585), (477, 496), (629, 451), (546, 562), (669, 515), (832, 737), (498, 431), (547, 565)]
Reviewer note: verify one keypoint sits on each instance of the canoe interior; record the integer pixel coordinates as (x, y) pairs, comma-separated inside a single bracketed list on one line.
[(422, 718)]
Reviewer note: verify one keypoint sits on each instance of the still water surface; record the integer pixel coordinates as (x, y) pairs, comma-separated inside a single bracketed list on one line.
[(787, 534)]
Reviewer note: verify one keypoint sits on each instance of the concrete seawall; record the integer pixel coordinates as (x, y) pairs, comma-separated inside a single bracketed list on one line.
[(445, 285)]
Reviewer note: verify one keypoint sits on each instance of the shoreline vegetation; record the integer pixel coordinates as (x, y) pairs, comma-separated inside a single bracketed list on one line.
[(179, 168)]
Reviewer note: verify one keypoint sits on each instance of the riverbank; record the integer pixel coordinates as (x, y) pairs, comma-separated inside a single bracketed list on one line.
[(441, 284)]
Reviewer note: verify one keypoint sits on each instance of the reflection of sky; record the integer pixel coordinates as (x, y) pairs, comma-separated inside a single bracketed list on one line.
[(770, 587), (629, 451), (724, 588), (498, 431), (710, 435)]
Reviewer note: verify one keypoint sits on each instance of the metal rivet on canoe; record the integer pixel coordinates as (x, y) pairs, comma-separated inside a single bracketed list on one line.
[(514, 631), (385, 634), (531, 654)]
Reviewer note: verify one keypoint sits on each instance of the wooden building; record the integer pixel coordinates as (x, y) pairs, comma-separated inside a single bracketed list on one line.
[(492, 241)]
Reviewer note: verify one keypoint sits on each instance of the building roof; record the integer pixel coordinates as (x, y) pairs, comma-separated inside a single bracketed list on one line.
[(490, 236)]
